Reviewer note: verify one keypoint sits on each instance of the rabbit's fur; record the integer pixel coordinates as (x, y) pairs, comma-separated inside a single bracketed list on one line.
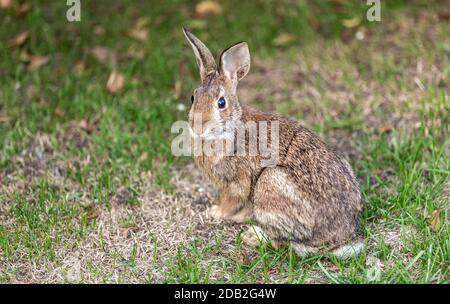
[(310, 198)]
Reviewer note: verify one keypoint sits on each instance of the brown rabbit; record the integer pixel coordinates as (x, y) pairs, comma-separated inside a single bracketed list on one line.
[(309, 198)]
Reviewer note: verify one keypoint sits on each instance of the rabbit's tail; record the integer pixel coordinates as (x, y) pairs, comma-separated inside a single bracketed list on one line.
[(349, 250)]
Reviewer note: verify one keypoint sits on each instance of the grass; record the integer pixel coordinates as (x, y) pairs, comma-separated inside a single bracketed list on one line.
[(90, 192)]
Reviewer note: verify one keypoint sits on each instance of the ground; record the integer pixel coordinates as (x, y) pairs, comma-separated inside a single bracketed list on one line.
[(89, 191)]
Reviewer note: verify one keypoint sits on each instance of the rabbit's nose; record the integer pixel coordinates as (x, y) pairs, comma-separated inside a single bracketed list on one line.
[(199, 127)]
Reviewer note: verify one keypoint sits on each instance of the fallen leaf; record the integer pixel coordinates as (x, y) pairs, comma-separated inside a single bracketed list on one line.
[(206, 8), (87, 126), (143, 157), (352, 22), (19, 39), (434, 220), (59, 112), (5, 4), (273, 271), (386, 128), (103, 54), (139, 31), (22, 8), (79, 67), (126, 232), (37, 62), (138, 34), (115, 82), (284, 39), (135, 53), (244, 258), (99, 30)]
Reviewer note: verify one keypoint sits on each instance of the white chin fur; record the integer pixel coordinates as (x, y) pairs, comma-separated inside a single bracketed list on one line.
[(207, 135)]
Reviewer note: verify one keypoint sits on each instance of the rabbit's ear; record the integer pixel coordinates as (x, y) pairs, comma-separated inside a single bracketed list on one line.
[(205, 59), (235, 62)]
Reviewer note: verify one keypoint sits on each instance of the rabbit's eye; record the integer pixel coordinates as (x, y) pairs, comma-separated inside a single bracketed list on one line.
[(192, 98), (221, 103)]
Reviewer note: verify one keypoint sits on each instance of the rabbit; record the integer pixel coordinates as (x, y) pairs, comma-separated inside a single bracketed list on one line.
[(309, 199)]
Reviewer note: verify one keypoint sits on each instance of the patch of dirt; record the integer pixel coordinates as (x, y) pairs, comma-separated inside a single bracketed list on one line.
[(33, 160)]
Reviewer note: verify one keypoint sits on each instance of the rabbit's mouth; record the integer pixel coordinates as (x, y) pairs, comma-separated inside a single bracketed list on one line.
[(206, 132), (209, 134)]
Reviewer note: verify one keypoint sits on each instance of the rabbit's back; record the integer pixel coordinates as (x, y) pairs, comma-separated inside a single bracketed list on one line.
[(311, 195)]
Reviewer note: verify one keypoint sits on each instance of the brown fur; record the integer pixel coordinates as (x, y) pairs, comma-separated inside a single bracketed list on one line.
[(311, 198)]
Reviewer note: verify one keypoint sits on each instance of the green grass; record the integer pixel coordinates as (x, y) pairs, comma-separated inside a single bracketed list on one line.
[(56, 178)]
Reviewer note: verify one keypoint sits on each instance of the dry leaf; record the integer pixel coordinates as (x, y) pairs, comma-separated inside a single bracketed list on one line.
[(103, 54), (351, 23), (37, 62), (59, 112), (386, 128), (434, 220), (79, 67), (138, 34), (115, 83), (244, 258), (99, 30), (87, 126), (143, 157), (5, 4), (284, 39), (135, 53), (19, 39), (22, 8), (206, 8)]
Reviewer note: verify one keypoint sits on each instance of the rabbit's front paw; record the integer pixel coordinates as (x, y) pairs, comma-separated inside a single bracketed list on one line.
[(216, 212)]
